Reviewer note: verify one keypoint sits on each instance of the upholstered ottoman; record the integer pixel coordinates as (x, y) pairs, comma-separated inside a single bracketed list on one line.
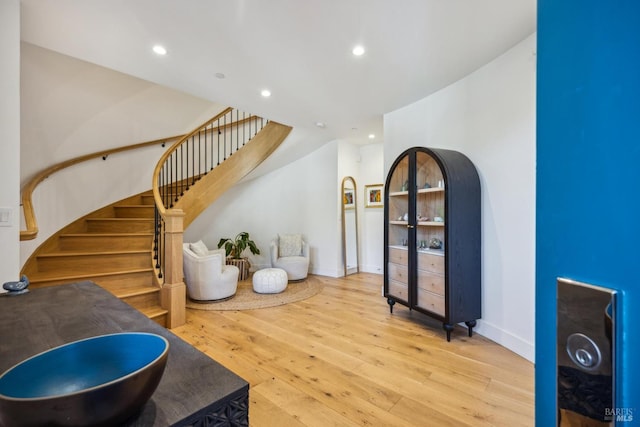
[(269, 281)]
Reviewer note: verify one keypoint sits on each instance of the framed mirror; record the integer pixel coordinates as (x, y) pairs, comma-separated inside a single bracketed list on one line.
[(350, 250)]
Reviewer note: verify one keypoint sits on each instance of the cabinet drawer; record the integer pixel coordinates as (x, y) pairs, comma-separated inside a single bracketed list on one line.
[(429, 262), (399, 290), (430, 301), (431, 282), (399, 273), (399, 256)]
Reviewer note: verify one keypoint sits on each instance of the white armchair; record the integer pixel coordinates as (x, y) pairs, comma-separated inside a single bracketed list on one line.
[(205, 273), (290, 253)]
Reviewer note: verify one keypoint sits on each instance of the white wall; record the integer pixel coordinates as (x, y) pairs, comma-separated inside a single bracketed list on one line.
[(371, 220), (10, 137), (300, 197), (71, 108), (490, 117)]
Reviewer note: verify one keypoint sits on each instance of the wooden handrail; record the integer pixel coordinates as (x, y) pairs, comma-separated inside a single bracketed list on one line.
[(156, 189), (156, 172), (27, 192)]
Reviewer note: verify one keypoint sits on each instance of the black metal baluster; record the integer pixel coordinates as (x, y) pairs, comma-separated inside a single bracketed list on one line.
[(175, 180), (200, 154), (206, 155), (160, 263), (170, 181), (224, 137)]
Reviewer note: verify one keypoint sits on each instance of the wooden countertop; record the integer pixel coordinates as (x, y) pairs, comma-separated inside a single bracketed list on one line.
[(193, 388)]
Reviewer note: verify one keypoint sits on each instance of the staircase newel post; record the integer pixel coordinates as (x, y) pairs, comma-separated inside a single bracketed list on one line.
[(173, 293)]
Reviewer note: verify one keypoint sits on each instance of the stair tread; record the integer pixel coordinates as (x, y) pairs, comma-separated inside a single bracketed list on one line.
[(113, 218), (153, 312), (92, 253), (38, 277), (89, 234), (132, 292)]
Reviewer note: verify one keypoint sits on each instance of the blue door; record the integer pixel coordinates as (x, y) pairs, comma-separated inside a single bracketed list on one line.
[(588, 178)]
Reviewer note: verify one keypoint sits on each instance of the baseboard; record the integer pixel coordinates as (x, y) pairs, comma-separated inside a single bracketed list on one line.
[(506, 339), (376, 269), (326, 272)]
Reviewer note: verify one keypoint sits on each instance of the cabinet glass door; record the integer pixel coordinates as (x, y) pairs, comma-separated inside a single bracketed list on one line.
[(398, 235), (430, 235)]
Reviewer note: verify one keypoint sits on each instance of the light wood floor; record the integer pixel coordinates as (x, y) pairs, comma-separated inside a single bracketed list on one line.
[(341, 359)]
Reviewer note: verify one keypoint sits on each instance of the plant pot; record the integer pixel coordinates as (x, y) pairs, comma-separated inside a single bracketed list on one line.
[(243, 265)]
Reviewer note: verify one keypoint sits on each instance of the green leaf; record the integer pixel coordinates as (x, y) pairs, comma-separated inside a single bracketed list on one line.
[(253, 248)]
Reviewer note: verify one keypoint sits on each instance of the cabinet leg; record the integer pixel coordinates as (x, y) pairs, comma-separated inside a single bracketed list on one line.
[(470, 324), (448, 328), (391, 301)]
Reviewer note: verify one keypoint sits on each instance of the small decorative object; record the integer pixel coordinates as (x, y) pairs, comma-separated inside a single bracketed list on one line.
[(441, 183), (234, 249), (405, 217), (423, 244), (438, 219), (17, 288), (426, 185), (405, 186), (422, 218), (373, 196), (404, 242), (435, 243), (400, 218)]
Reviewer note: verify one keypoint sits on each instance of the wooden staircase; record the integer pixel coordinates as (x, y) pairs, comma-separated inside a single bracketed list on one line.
[(111, 247), (114, 246)]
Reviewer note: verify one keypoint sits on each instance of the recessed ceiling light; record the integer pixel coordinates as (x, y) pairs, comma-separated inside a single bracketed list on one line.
[(266, 93), (160, 50), (320, 124), (372, 136), (219, 75), (358, 50)]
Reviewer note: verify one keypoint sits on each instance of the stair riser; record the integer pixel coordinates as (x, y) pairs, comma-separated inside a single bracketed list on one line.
[(161, 320), (147, 200), (143, 301), (113, 283), (100, 243), (123, 282), (119, 226), (134, 211), (93, 263)]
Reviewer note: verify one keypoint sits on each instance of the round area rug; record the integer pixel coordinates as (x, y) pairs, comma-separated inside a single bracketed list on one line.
[(246, 299)]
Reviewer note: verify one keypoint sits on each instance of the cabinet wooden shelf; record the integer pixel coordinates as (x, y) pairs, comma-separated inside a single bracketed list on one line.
[(442, 283)]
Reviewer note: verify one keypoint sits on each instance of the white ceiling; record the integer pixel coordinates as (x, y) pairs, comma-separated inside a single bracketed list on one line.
[(299, 49)]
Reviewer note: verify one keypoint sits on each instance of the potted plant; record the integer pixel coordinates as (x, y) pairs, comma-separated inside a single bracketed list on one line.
[(234, 249)]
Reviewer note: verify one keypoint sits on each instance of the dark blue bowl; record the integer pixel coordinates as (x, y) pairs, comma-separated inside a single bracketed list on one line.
[(97, 381)]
